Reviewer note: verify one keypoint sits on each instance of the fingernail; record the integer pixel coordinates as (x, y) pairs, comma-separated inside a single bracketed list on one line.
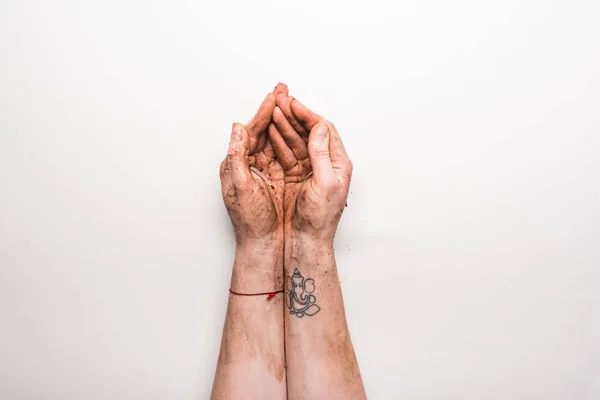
[(322, 131), (236, 132)]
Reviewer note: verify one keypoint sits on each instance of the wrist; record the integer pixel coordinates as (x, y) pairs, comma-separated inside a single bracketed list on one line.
[(308, 251), (258, 265), (309, 241), (259, 255), (249, 244)]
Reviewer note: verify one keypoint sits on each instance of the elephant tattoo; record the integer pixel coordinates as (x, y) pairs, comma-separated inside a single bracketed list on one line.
[(299, 298)]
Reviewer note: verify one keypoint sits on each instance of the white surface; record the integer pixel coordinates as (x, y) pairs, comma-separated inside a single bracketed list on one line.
[(470, 251)]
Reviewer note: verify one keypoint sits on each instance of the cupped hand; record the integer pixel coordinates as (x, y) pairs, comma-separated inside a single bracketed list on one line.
[(316, 166), (252, 181)]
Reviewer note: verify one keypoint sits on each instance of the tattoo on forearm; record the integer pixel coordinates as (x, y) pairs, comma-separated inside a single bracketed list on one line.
[(298, 297)]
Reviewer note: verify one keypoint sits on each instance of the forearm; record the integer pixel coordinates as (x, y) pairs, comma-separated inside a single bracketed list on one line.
[(251, 361), (321, 363)]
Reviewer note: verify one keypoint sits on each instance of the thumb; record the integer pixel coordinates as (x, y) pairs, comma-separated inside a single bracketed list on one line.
[(237, 155), (318, 151)]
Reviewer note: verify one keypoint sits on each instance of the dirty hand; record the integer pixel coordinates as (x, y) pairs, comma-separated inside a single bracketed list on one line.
[(252, 182), (303, 142)]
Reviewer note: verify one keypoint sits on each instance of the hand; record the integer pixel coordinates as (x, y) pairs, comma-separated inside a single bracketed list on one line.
[(252, 181), (304, 142)]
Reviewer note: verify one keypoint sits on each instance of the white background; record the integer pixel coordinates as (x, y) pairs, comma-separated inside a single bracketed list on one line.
[(470, 251)]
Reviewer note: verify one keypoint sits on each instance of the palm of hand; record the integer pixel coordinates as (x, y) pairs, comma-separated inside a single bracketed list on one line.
[(264, 196), (267, 177)]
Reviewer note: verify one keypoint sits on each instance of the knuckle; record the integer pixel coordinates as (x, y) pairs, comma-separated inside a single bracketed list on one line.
[(233, 152), (223, 169)]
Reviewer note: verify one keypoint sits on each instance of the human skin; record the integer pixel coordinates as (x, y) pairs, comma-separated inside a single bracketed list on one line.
[(320, 358), (285, 205), (251, 361)]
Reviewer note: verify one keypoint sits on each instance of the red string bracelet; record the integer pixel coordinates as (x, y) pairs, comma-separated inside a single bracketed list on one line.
[(269, 295)]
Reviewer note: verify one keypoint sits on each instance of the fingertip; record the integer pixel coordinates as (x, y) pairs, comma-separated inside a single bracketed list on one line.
[(236, 132), (320, 131), (320, 157), (239, 127), (238, 142), (281, 88)]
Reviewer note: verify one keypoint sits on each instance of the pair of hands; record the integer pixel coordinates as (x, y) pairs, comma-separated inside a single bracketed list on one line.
[(286, 171)]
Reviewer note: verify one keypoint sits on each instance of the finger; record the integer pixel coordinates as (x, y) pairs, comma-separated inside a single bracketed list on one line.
[(304, 115), (284, 153), (268, 150), (339, 158), (260, 145), (289, 134), (283, 102), (226, 184), (281, 88), (318, 150), (237, 155), (224, 170), (260, 121)]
